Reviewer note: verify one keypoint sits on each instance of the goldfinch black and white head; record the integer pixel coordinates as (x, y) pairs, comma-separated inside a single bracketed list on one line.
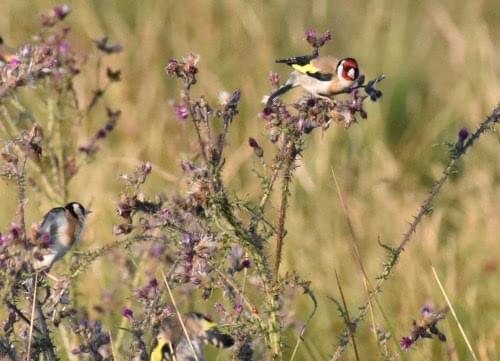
[(172, 344), (61, 228), (322, 76)]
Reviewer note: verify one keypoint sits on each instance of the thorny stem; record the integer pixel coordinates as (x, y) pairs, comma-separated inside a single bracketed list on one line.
[(21, 189), (274, 328), (348, 320), (280, 228), (187, 99), (425, 208)]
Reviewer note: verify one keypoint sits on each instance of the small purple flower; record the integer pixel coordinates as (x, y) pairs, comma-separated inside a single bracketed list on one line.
[(76, 351), (101, 134), (124, 210), (246, 263), (153, 283), (172, 67), (406, 343), (46, 240), (168, 311), (463, 134), (219, 307), (147, 168), (15, 231), (327, 36), (425, 311), (64, 47), (238, 308), (14, 63), (25, 51), (181, 112), (311, 37), (165, 214), (61, 11), (266, 113), (259, 152), (3, 240), (128, 313), (274, 78)]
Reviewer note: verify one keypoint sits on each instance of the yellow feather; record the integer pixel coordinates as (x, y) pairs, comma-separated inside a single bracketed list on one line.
[(308, 68), (207, 325), (157, 354)]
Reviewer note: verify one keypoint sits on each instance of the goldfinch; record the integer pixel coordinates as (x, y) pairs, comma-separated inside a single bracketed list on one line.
[(322, 76), (172, 344), (7, 54), (60, 229)]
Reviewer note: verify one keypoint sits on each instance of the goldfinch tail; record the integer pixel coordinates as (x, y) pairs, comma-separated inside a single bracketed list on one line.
[(218, 339), (297, 60), (278, 92)]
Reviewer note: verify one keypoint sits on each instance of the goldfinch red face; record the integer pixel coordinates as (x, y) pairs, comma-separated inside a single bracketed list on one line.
[(347, 69)]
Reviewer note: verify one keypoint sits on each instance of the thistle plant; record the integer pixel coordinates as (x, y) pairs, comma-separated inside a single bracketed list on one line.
[(198, 245)]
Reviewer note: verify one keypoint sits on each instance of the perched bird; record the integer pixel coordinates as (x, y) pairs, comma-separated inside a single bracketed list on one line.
[(7, 54), (172, 344), (60, 229), (322, 76)]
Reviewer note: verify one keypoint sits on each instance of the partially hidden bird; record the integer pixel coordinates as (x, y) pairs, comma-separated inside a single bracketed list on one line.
[(322, 76), (171, 342), (7, 54), (61, 228)]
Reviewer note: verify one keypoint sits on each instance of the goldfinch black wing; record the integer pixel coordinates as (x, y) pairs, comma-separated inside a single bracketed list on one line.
[(305, 65), (297, 60), (211, 334), (218, 339)]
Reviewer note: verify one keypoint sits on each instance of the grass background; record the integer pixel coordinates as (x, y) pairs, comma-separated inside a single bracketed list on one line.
[(442, 63)]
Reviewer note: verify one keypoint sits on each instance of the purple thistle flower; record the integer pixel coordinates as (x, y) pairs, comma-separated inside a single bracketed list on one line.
[(172, 67), (327, 36), (406, 343), (238, 308), (64, 47), (259, 152), (153, 283), (14, 63), (245, 263), (3, 240), (25, 51), (463, 134), (128, 313), (15, 231), (124, 210), (311, 37), (274, 78), (181, 112), (147, 168), (61, 11)]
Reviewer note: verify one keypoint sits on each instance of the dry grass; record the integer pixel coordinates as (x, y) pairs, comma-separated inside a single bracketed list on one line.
[(443, 68)]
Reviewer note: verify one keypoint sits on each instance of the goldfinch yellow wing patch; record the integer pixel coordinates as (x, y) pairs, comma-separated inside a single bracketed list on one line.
[(157, 354), (305, 69)]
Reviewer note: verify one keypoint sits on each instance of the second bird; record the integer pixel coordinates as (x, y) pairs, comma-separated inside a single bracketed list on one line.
[(62, 226)]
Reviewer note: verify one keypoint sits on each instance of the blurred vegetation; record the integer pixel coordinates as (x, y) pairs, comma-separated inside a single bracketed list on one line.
[(442, 62)]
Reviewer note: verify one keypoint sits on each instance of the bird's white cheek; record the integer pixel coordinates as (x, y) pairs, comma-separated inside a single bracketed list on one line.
[(351, 73)]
